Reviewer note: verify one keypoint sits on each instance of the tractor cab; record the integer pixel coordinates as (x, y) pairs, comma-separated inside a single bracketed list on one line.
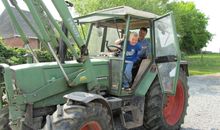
[(107, 26)]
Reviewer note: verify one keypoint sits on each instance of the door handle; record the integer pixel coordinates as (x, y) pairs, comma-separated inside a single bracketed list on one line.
[(164, 59)]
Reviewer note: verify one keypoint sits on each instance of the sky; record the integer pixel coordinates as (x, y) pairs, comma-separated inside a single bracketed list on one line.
[(209, 7), (48, 3)]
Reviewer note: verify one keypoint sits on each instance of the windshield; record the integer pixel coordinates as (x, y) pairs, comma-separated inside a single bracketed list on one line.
[(99, 38), (95, 41)]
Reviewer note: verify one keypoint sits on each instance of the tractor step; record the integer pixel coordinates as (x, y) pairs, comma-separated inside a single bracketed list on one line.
[(130, 125), (129, 108), (114, 102), (132, 115)]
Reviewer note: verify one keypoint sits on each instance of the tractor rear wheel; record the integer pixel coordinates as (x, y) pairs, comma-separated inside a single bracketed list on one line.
[(77, 117), (4, 121), (166, 112)]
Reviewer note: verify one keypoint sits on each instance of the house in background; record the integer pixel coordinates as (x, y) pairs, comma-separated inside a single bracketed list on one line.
[(9, 34)]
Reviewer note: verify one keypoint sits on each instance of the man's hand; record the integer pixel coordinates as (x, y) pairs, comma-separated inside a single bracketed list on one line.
[(117, 42)]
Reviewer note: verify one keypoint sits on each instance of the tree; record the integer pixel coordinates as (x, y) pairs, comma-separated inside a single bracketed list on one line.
[(191, 26), (191, 23), (88, 6)]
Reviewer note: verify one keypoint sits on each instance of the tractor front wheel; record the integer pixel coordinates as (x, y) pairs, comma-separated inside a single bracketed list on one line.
[(78, 117), (166, 112), (4, 119)]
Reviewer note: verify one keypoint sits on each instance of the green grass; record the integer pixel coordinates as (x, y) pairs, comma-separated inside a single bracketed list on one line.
[(208, 64)]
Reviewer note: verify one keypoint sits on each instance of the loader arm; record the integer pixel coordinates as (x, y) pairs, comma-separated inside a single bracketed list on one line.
[(47, 25)]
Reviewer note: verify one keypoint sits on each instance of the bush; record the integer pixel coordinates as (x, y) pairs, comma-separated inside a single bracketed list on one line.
[(14, 56), (44, 56), (183, 55), (5, 53), (18, 57)]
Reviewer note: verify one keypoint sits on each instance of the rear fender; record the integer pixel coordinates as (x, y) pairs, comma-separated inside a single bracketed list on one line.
[(151, 75)]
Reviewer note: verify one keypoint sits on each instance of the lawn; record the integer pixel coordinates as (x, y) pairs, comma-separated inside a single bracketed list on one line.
[(208, 64)]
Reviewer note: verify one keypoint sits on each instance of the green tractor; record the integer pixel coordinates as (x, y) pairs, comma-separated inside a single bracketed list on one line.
[(86, 93)]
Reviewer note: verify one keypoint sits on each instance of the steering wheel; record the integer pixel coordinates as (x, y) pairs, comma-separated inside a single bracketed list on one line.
[(110, 47), (114, 48)]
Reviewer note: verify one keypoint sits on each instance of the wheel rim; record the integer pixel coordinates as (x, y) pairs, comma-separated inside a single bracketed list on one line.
[(174, 106), (92, 125)]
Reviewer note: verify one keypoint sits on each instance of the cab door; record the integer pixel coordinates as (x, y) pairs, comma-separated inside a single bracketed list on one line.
[(167, 52)]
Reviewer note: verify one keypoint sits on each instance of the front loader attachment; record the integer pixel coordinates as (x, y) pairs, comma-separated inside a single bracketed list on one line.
[(47, 25)]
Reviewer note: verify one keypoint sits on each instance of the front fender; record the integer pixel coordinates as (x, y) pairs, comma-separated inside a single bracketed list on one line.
[(86, 98)]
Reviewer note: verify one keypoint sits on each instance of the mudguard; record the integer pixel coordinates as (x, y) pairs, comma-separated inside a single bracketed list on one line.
[(86, 98)]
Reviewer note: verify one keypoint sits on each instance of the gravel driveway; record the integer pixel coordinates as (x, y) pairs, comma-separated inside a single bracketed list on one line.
[(204, 103)]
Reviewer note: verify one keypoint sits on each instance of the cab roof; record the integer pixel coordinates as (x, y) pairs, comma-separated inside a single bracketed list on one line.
[(109, 17)]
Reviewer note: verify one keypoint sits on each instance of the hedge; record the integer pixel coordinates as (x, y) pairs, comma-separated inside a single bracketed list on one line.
[(14, 56)]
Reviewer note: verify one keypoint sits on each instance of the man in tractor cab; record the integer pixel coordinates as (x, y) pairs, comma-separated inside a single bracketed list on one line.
[(145, 44), (145, 50), (131, 58)]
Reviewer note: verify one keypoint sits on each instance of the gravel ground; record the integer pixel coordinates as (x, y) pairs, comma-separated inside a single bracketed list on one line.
[(204, 103)]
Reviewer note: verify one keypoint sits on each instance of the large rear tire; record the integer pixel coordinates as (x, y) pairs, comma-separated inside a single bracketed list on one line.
[(4, 119), (165, 112), (78, 117)]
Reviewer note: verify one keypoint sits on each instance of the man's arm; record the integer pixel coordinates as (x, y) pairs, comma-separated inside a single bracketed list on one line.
[(138, 49), (148, 53), (119, 41)]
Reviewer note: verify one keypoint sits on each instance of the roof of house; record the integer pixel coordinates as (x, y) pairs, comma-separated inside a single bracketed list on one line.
[(7, 30)]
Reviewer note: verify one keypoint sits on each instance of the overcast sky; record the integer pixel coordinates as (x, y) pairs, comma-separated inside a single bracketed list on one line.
[(48, 3), (209, 7)]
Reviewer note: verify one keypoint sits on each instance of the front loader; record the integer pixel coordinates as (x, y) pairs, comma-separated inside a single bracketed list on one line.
[(86, 93)]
